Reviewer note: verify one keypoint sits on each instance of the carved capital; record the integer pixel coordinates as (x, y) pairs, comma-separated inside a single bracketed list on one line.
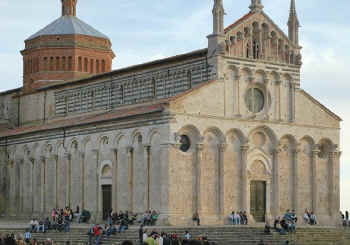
[(222, 147), (129, 149), (266, 81), (199, 147), (251, 79), (238, 77), (278, 82), (147, 147), (42, 158), (32, 160), (114, 150), (244, 148)]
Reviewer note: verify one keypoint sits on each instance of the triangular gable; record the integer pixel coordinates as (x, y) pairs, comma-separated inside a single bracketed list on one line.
[(250, 15), (324, 108)]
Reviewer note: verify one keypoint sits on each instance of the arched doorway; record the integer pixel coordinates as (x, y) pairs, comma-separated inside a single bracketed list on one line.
[(106, 184), (258, 200)]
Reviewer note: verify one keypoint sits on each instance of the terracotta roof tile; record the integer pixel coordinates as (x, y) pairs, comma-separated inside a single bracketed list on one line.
[(87, 119)]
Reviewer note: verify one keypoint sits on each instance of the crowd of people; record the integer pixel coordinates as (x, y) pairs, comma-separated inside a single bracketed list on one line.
[(310, 218), (239, 218), (345, 218), (156, 238)]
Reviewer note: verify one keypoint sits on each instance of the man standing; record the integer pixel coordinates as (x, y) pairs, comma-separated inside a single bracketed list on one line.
[(97, 234), (141, 234)]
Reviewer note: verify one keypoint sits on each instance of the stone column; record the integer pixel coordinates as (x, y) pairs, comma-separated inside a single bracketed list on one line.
[(196, 182), (333, 197), (295, 201), (315, 153), (278, 101), (275, 180), (55, 157), (68, 181), (220, 181), (82, 158), (32, 162), (115, 180), (266, 92), (165, 151), (130, 152), (96, 156), (244, 197), (21, 187), (43, 184), (236, 96), (147, 152)]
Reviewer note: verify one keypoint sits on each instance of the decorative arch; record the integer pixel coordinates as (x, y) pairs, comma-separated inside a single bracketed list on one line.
[(151, 134), (259, 155), (216, 131), (268, 131), (239, 134)]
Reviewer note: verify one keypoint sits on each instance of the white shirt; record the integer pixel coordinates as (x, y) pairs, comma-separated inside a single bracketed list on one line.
[(144, 237), (160, 240), (188, 236)]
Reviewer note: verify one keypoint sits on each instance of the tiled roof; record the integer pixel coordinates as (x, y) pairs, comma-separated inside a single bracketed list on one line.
[(239, 21), (87, 119), (67, 25)]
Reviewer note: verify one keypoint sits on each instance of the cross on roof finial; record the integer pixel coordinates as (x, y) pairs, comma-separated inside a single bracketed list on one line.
[(69, 7), (256, 6)]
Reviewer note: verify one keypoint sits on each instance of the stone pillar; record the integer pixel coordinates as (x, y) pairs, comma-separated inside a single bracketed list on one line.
[(115, 180), (196, 180), (266, 92), (69, 179), (43, 184), (244, 190), (32, 163), (21, 187), (55, 158), (220, 181), (275, 180), (236, 96), (315, 153), (96, 156), (278, 101), (130, 152), (83, 184), (333, 195), (164, 173), (295, 179), (147, 152)]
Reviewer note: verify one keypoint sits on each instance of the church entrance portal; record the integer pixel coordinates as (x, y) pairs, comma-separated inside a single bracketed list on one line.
[(258, 200), (106, 200)]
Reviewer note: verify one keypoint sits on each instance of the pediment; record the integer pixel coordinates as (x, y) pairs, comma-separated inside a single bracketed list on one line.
[(257, 21)]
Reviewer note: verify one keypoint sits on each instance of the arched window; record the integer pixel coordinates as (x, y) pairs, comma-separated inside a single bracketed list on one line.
[(57, 63), (51, 63), (70, 63), (189, 78), (256, 50), (85, 64), (91, 66), (248, 50), (103, 66), (45, 63), (154, 88), (97, 66), (63, 63), (80, 64)]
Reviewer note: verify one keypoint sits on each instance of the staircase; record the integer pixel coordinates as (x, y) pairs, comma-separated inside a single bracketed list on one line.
[(225, 235)]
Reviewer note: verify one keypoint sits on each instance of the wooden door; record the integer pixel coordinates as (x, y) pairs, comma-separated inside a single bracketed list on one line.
[(106, 200), (258, 200)]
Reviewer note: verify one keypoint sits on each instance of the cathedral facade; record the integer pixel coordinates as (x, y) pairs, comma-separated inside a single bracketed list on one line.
[(221, 129)]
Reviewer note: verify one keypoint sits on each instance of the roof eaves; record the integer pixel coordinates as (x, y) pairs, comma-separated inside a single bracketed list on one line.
[(321, 105)]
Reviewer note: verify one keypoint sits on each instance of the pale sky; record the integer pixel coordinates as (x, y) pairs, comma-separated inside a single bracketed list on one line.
[(143, 30)]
